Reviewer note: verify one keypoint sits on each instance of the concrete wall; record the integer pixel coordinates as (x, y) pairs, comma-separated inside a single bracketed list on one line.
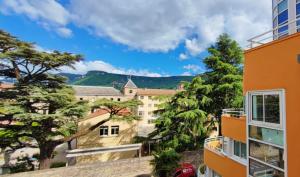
[(275, 66)]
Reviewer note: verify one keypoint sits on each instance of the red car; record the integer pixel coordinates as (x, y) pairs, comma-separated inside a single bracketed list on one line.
[(185, 170)]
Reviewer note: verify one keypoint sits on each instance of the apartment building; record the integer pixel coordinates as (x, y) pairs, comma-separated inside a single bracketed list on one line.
[(261, 141), (114, 133)]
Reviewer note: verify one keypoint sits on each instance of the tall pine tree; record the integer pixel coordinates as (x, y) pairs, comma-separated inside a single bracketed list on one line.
[(225, 75)]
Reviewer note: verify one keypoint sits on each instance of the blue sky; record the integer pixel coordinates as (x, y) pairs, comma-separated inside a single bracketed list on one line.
[(159, 38)]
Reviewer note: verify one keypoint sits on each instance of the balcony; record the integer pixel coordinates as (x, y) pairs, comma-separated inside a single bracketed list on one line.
[(234, 124), (218, 158), (279, 32)]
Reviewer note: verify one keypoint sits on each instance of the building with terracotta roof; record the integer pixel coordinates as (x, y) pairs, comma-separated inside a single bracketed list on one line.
[(4, 86), (114, 133)]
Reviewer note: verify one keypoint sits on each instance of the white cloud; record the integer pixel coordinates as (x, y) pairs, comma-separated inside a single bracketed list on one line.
[(99, 65), (159, 25), (193, 46), (183, 56), (64, 32), (186, 73), (193, 68), (49, 13)]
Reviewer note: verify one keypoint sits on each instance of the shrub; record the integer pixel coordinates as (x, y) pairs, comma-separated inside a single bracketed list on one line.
[(165, 162)]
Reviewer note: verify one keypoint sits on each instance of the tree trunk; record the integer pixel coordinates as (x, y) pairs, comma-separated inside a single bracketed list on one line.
[(69, 145), (46, 151)]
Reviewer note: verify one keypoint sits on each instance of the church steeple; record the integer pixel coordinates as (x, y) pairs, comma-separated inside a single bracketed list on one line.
[(130, 84), (130, 88)]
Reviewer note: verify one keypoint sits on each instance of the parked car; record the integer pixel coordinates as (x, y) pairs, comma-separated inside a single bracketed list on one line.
[(185, 170)]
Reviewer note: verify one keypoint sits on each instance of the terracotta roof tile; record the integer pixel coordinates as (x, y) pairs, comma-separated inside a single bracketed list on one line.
[(6, 86), (100, 112)]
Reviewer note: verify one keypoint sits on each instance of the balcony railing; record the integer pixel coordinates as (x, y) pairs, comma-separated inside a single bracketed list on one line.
[(234, 112), (215, 144), (273, 34), (223, 146)]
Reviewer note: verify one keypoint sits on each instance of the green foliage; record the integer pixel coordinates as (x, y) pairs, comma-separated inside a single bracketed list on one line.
[(224, 74), (186, 119), (40, 108), (165, 162), (183, 123), (119, 110), (118, 80)]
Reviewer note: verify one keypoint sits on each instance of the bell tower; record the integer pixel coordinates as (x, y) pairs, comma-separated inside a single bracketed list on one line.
[(130, 88)]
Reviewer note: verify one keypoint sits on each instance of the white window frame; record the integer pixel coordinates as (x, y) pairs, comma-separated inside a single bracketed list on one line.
[(102, 127), (141, 113), (248, 110), (263, 123), (240, 147), (114, 127)]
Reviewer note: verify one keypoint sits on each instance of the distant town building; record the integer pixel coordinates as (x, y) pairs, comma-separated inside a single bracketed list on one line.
[(114, 133)]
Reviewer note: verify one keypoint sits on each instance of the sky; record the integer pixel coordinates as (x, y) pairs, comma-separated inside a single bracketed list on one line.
[(135, 37)]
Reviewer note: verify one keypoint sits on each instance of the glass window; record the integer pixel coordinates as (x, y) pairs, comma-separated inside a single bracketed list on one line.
[(104, 131), (237, 150), (266, 153), (272, 108), (257, 107), (257, 169), (266, 108), (243, 150), (141, 113), (265, 134), (283, 17), (115, 130), (298, 9), (130, 91), (282, 6), (141, 97), (240, 149), (282, 31), (275, 22)]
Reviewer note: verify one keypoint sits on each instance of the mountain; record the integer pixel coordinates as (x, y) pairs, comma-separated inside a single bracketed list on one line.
[(118, 80)]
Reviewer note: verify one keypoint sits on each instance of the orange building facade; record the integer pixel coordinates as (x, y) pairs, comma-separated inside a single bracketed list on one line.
[(262, 140)]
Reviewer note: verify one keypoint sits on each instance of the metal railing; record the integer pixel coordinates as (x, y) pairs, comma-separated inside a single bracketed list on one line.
[(215, 144), (273, 34), (234, 112)]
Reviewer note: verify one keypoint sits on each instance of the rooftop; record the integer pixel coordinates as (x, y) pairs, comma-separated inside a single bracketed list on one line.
[(6, 85), (274, 34), (130, 84), (96, 91)]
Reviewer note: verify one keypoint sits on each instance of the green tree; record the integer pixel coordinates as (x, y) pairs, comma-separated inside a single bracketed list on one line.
[(183, 121), (40, 109), (165, 162), (225, 74)]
